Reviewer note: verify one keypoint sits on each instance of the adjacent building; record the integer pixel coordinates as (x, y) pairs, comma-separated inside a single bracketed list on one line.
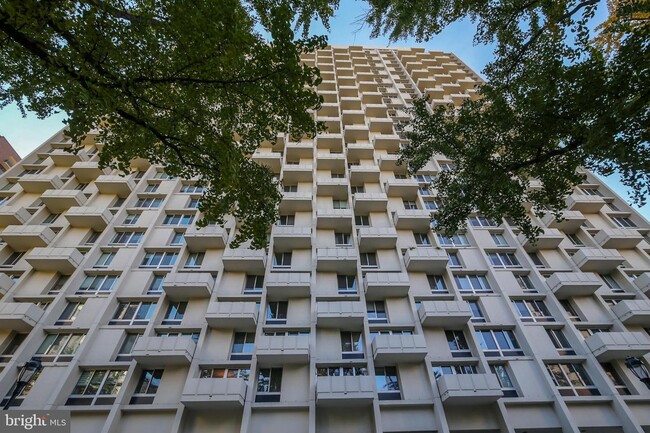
[(358, 318), (8, 155)]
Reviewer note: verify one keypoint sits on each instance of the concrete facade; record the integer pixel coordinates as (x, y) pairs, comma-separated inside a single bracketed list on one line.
[(358, 318)]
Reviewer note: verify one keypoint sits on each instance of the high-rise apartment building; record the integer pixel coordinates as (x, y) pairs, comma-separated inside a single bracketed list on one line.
[(358, 317)]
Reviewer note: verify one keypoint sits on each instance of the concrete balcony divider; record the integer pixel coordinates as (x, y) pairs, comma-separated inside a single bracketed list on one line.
[(597, 260), (238, 315), (340, 314), (19, 316), (188, 285), (568, 284), (618, 238), (282, 285), (608, 346), (344, 390), (24, 237), (214, 393), (164, 351), (59, 259), (391, 349), (432, 260), (469, 389), (203, 238), (284, 349), (444, 314), (88, 217)]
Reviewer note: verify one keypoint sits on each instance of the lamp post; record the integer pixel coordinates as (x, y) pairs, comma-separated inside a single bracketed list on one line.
[(27, 372), (638, 368)]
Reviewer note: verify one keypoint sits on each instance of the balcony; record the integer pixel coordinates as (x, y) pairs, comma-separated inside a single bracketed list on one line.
[(412, 219), (203, 238), (360, 174), (365, 202), (389, 163), (358, 144), (571, 221), (19, 316), (608, 346), (585, 203), (164, 351), (294, 173), (13, 215), (337, 188), (244, 260), (39, 183), (407, 189), (381, 125), (469, 389), (188, 285), (395, 349), (549, 239), (344, 391), (337, 219), (291, 237), (380, 285), (272, 160), (376, 238), (88, 171), (62, 260), (340, 314), (633, 312), (336, 259), (569, 284), (214, 394), (5, 284), (597, 260), (23, 238), (237, 315), (426, 259), (618, 238), (64, 158), (293, 202), (96, 218), (115, 184), (643, 282), (444, 314), (331, 161), (389, 142), (284, 349), (60, 200), (282, 285)]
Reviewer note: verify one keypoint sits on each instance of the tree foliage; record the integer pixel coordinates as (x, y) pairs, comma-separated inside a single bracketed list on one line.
[(192, 85), (559, 96)]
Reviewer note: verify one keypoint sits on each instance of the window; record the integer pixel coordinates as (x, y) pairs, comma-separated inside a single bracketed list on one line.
[(571, 379), (347, 284), (612, 284), (454, 261), (477, 314), (147, 386), (575, 240), (340, 204), (194, 203), (159, 260), (503, 260), (152, 187), (457, 240), (479, 221), (458, 344), (362, 220), (193, 335), (155, 286), (124, 352), (525, 284), (425, 178), (94, 284), (613, 375), (591, 191), (149, 203), (50, 218), (14, 343), (498, 342), (58, 284), (12, 259), (534, 257), (194, 260), (437, 283), (352, 345), (533, 311), (229, 373), (59, 347), (287, 220), (97, 387), (623, 222), (192, 189), (374, 332), (290, 188), (560, 342), (472, 283), (447, 166), (131, 219), (341, 371), (178, 238), (424, 191), (570, 311), (69, 313), (104, 260), (175, 313), (276, 313), (127, 238), (376, 312), (133, 313), (507, 386), (269, 384), (499, 240), (119, 201), (422, 239), (357, 189), (243, 344), (432, 204), (163, 176), (387, 383), (19, 399), (178, 220), (445, 370), (409, 204), (282, 260), (343, 239), (92, 237), (588, 332), (254, 283), (368, 260)]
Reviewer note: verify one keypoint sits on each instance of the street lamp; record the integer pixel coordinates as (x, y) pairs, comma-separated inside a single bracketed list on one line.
[(639, 369), (27, 372)]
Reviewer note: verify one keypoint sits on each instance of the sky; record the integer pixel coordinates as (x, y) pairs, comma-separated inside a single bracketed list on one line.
[(26, 133)]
